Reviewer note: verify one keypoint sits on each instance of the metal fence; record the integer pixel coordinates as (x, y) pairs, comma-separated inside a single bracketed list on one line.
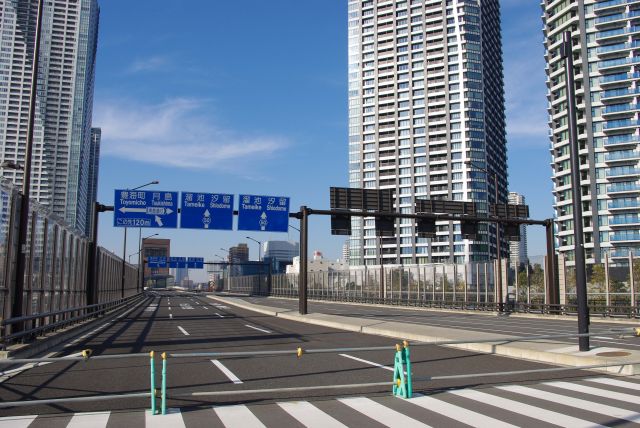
[(56, 261), (611, 288)]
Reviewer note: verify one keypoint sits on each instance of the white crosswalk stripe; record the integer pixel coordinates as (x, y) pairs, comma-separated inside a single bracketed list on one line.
[(526, 409), (238, 416), (86, 420), (619, 396), (614, 412), (457, 413), (309, 415), (515, 405), (382, 414)]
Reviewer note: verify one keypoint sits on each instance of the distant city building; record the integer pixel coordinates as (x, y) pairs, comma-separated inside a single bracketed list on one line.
[(156, 248), (317, 264), (63, 171), (518, 255), (238, 254), (180, 274), (279, 254), (345, 252), (605, 51)]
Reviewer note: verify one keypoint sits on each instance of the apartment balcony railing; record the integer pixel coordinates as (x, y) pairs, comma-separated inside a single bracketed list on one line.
[(610, 3), (622, 220), (622, 155), (622, 170), (618, 62), (619, 108), (617, 17), (617, 32), (621, 140), (617, 47), (619, 77), (619, 93), (625, 236), (624, 203), (621, 124)]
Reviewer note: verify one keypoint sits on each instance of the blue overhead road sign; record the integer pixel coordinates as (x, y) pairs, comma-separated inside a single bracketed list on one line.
[(139, 208), (263, 213), (195, 262), (156, 262), (206, 211)]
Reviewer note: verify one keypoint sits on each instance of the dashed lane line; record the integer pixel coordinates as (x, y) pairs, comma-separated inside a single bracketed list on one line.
[(257, 328), (183, 331), (228, 373)]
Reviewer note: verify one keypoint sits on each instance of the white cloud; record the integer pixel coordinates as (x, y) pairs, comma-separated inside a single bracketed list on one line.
[(148, 64), (178, 132)]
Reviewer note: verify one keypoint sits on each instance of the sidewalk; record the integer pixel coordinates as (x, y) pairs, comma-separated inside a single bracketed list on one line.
[(618, 361)]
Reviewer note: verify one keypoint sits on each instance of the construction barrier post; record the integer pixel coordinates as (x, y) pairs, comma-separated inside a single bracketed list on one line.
[(407, 362), (401, 383), (164, 383), (153, 383)]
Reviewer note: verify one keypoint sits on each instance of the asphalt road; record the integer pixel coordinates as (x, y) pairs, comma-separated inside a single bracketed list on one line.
[(482, 322), (170, 322)]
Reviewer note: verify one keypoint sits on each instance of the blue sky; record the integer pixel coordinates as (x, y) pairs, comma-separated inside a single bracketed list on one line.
[(251, 97)]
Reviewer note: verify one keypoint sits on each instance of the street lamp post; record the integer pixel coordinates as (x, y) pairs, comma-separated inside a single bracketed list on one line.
[(259, 247), (498, 246), (141, 261), (124, 241)]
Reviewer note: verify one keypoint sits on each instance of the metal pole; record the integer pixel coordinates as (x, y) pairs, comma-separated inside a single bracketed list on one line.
[(124, 254), (302, 278), (581, 277), (552, 293), (140, 264), (21, 263), (498, 253), (91, 286)]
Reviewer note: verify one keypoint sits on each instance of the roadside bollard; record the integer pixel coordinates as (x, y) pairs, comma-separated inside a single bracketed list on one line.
[(401, 384), (164, 383), (153, 383)]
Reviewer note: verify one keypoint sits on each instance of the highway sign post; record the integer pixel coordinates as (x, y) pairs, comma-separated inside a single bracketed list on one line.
[(139, 208), (212, 211), (263, 213)]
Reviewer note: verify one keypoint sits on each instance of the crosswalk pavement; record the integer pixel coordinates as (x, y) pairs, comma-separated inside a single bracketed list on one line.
[(589, 402)]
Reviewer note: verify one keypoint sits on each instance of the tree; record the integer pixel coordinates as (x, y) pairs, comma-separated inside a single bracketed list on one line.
[(598, 277)]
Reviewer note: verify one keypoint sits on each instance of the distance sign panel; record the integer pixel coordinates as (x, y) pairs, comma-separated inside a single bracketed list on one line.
[(206, 211), (263, 213), (138, 208)]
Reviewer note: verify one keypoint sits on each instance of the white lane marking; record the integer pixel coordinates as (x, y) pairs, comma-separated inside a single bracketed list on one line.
[(32, 365), (237, 416), (151, 307), (232, 377), (371, 363), (183, 331), (457, 413), (185, 306), (616, 382), (539, 413), (596, 391), (17, 421), (205, 307), (257, 328), (170, 316), (220, 315), (614, 412), (90, 419), (309, 415), (380, 413), (173, 419), (169, 307)]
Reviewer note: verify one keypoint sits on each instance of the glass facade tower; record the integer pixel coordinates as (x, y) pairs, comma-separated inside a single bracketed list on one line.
[(425, 98), (62, 133), (606, 51)]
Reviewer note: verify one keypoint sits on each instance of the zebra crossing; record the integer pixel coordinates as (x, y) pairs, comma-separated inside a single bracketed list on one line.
[(589, 402)]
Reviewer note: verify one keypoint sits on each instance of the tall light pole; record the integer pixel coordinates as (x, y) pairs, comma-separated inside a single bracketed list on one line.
[(566, 52), (498, 246), (141, 259), (124, 241), (259, 247), (23, 225)]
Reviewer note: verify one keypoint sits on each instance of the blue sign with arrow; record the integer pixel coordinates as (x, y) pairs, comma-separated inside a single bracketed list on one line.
[(156, 262), (263, 213), (195, 262), (139, 208), (206, 211)]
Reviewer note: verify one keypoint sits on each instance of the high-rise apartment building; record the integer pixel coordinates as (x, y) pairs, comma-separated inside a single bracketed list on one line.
[(62, 133), (606, 48), (518, 255), (425, 98)]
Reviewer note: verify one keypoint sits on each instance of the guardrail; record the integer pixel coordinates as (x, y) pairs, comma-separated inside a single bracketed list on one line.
[(401, 383), (38, 324)]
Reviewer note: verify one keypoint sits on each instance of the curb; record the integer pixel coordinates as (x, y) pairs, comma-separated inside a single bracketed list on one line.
[(358, 325)]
